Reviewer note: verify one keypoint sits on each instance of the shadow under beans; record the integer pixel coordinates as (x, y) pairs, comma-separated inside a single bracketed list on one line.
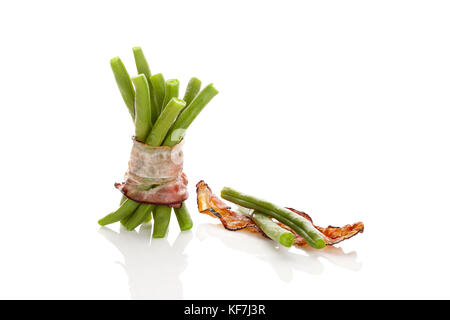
[(283, 260), (153, 266)]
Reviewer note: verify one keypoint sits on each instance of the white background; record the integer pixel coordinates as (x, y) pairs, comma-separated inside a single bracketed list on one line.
[(337, 108)]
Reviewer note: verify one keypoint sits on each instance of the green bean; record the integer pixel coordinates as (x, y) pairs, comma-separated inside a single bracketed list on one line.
[(161, 214), (141, 63), (143, 68), (183, 218), (300, 225), (124, 83), (165, 121), (172, 88), (159, 90), (125, 220), (124, 211), (269, 227), (143, 121), (192, 89), (139, 216), (148, 218), (142, 118), (188, 115)]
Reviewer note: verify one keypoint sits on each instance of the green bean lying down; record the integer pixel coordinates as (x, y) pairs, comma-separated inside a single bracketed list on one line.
[(269, 227), (300, 225)]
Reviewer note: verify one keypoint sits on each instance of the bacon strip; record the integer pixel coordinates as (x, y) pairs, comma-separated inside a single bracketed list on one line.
[(172, 193), (211, 205), (155, 175)]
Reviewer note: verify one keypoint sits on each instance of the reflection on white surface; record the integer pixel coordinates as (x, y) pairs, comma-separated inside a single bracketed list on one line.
[(283, 260), (153, 267)]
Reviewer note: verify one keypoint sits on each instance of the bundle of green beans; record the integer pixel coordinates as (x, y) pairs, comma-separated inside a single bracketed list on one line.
[(160, 119), (262, 213)]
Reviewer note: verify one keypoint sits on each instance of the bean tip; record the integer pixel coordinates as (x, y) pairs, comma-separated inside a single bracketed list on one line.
[(320, 244), (187, 227), (211, 85), (115, 60), (287, 239)]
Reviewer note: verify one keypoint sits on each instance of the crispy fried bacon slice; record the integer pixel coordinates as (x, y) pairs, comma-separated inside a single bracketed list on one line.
[(332, 235), (210, 204)]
